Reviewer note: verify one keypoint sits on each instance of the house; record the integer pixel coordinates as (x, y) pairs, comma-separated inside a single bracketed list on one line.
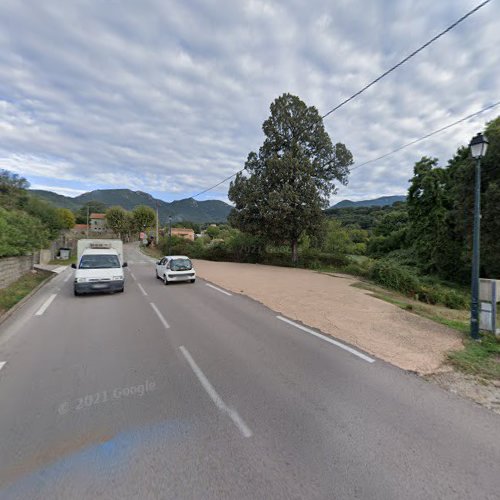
[(183, 232), (80, 229), (97, 222)]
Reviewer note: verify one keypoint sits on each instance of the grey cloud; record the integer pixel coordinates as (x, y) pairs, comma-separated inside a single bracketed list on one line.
[(170, 96)]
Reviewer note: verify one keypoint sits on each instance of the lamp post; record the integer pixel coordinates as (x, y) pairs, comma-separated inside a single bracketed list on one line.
[(478, 147), (169, 232)]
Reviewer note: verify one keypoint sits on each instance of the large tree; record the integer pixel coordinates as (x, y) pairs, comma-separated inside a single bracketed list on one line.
[(144, 217), (117, 220), (288, 183), (428, 203)]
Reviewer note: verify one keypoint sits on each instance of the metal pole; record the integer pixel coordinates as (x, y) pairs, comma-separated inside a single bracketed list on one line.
[(88, 210), (157, 228), (474, 309), (169, 233)]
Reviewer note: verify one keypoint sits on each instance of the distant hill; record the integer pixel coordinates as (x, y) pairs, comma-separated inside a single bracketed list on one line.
[(180, 210), (57, 199), (377, 202)]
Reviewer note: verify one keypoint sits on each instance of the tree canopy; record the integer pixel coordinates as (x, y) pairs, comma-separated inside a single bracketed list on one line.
[(287, 184)]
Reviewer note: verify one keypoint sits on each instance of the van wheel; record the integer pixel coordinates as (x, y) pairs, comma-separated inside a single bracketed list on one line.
[(165, 280), (76, 293), (192, 281)]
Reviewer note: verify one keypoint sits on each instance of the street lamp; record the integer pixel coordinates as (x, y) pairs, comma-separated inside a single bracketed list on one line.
[(478, 147), (169, 232)]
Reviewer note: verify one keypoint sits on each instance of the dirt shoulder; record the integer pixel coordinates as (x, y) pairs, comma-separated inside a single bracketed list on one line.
[(333, 306)]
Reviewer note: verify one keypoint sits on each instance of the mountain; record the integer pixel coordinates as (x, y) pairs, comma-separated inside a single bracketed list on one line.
[(180, 210), (377, 202), (57, 199)]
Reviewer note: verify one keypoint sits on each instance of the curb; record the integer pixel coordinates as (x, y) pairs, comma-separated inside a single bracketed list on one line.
[(7, 314)]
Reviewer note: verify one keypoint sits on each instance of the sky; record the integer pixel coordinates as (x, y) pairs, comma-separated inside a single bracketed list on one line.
[(169, 97)]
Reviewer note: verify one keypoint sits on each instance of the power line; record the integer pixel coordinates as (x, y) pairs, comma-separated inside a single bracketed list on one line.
[(366, 87), (407, 58), (442, 129), (218, 184)]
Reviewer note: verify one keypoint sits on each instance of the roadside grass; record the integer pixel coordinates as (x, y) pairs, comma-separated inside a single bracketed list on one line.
[(454, 318), (477, 358), (151, 252), (16, 291)]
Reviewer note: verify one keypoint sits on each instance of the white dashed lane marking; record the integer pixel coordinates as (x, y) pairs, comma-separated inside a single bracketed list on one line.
[(219, 289), (214, 396), (46, 304), (326, 339)]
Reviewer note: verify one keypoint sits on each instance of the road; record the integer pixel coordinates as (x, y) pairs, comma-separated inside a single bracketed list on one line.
[(187, 391)]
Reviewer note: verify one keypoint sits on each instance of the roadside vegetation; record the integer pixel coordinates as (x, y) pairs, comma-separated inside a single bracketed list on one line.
[(27, 223), (418, 251), (16, 291)]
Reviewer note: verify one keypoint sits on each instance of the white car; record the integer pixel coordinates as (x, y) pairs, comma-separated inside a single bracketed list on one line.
[(175, 268)]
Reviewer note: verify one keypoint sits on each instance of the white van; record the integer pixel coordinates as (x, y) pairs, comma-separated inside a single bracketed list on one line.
[(99, 267)]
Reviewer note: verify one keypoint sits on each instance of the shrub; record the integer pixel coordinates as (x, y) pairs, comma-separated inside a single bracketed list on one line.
[(455, 300), (395, 277)]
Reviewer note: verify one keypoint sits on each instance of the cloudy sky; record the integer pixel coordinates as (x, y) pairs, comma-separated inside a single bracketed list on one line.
[(169, 97)]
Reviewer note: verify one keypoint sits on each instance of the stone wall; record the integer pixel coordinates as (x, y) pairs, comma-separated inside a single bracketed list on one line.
[(12, 268)]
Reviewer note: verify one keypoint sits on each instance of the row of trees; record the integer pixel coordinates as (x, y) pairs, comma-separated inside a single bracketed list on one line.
[(433, 230), (26, 222), (281, 194), (126, 223)]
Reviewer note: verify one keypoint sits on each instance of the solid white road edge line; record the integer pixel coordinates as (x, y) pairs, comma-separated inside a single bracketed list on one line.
[(132, 275), (67, 277), (326, 339), (45, 305), (219, 289), (214, 396), (160, 315), (2, 364), (141, 289)]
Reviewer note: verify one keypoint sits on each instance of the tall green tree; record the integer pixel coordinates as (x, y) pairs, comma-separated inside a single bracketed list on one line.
[(47, 213), (13, 188), (117, 220), (144, 217), (428, 203), (66, 217), (288, 183)]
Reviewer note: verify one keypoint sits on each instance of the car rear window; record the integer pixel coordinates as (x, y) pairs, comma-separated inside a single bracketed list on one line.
[(180, 265)]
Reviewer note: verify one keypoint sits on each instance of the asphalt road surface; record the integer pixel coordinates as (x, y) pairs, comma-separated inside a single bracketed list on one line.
[(187, 391)]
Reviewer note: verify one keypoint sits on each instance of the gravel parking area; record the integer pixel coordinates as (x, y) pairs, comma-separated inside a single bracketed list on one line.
[(330, 304)]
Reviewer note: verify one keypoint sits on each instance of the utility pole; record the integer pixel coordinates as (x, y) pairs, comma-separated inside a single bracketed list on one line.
[(169, 233), (157, 225), (88, 215)]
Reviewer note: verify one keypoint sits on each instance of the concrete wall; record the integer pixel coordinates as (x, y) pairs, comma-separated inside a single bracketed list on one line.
[(12, 268)]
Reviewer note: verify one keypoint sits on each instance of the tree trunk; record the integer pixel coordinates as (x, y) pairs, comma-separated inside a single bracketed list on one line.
[(295, 252)]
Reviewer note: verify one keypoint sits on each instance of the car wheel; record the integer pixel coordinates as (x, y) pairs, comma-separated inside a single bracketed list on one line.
[(76, 293), (122, 290), (157, 277), (165, 280), (192, 281)]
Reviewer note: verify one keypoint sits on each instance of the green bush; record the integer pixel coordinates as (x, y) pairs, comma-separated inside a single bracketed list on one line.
[(455, 300), (430, 294), (20, 233), (395, 277)]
